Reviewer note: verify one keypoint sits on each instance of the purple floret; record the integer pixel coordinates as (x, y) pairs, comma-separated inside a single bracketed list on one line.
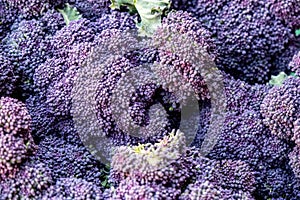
[(66, 159), (28, 183), (72, 188), (247, 36), (280, 108), (7, 76), (286, 10), (91, 9), (295, 63), (7, 17), (23, 48), (16, 143), (245, 137), (67, 52), (31, 8), (241, 96)]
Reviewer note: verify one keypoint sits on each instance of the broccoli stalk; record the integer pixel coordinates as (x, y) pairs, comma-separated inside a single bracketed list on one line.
[(150, 12)]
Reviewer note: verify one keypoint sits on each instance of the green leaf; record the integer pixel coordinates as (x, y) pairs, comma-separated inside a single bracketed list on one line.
[(150, 11), (279, 79), (104, 183), (297, 32), (70, 14)]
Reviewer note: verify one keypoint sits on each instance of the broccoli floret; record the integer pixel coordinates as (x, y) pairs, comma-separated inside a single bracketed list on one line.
[(16, 142), (280, 107), (72, 188)]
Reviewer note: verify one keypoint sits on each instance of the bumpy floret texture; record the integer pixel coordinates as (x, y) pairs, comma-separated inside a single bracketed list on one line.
[(294, 161), (287, 10), (7, 17), (7, 77), (295, 63), (248, 36), (245, 137), (113, 116), (91, 9), (207, 190), (296, 132), (15, 135), (31, 8), (175, 60), (53, 80), (47, 62), (23, 48), (280, 108), (153, 167), (283, 60), (132, 189), (65, 159), (72, 188), (160, 162), (52, 21), (242, 96), (156, 171), (277, 183), (28, 183)]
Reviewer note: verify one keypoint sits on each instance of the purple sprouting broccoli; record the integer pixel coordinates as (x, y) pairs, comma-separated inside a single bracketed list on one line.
[(52, 21), (296, 132), (23, 49), (152, 171), (147, 163), (138, 106), (225, 179), (246, 138), (67, 51), (8, 77), (295, 161), (295, 64), (84, 30), (91, 9), (280, 107), (276, 183), (242, 96), (148, 167), (247, 35), (7, 17), (283, 61), (72, 188), (76, 32), (28, 183), (182, 4), (16, 143), (66, 159), (131, 189), (287, 10), (31, 8), (175, 65), (207, 190)]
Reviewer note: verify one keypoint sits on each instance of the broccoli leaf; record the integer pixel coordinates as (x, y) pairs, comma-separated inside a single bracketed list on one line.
[(70, 14), (297, 32), (280, 78), (150, 12)]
